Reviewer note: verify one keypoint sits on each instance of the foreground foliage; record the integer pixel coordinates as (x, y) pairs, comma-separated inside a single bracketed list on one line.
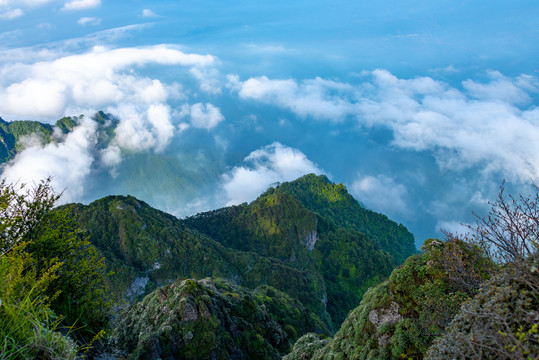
[(51, 277), (501, 322), (213, 319), (400, 317)]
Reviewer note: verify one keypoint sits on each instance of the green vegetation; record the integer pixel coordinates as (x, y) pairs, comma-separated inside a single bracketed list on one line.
[(333, 202), (313, 224), (52, 278), (501, 322), (249, 281), (400, 317), (460, 298), (146, 248), (212, 319)]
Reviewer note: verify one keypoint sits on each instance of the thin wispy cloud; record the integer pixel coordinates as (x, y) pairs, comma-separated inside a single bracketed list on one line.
[(89, 21), (265, 48), (76, 5), (148, 13), (11, 14)]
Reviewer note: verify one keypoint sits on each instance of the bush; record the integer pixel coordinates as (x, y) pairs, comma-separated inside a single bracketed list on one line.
[(51, 273)]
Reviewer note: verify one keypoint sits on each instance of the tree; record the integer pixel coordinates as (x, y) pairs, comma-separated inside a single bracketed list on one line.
[(510, 232), (48, 261), (502, 321)]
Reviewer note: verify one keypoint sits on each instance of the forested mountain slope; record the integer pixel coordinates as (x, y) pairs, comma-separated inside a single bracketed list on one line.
[(145, 248), (313, 224)]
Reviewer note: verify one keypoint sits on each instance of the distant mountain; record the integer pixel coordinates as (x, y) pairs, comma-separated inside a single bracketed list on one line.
[(333, 202), (317, 258), (12, 132), (182, 170)]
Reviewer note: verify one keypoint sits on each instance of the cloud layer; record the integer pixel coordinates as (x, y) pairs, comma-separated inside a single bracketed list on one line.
[(95, 79), (100, 79), (490, 125), (67, 161), (75, 5), (382, 194)]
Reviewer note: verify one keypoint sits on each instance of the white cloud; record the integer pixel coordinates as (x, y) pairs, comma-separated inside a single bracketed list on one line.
[(203, 116), (263, 167), (111, 156), (499, 88), (81, 4), (159, 118), (68, 162), (148, 13), (143, 128), (99, 78), (11, 4), (89, 21), (208, 79), (382, 194), (317, 97), (11, 14), (483, 125)]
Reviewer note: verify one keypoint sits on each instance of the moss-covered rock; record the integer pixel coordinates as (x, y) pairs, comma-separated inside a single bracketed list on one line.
[(306, 347), (212, 319), (402, 316)]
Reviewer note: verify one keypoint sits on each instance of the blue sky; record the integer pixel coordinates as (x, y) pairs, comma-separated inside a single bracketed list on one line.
[(421, 108)]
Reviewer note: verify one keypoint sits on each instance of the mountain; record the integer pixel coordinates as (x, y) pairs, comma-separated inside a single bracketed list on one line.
[(333, 202), (313, 224), (145, 248), (12, 132)]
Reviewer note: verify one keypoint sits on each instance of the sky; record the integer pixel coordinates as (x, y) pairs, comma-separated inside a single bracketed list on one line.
[(421, 108)]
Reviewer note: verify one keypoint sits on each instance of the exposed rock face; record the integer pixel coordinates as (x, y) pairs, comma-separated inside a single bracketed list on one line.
[(310, 239), (382, 316), (137, 287), (385, 316)]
